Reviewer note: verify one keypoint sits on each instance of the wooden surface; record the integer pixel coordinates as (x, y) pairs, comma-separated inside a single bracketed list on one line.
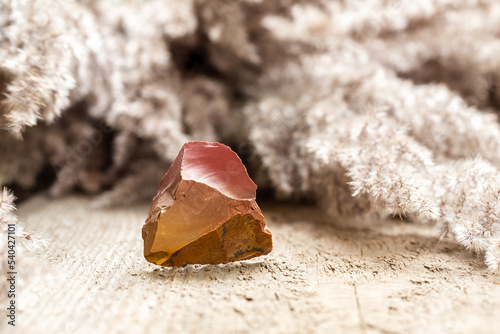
[(390, 277)]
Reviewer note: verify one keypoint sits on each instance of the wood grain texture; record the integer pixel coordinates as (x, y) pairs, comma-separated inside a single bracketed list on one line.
[(385, 277)]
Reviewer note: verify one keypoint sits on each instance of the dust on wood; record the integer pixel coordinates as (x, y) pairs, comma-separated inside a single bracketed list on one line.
[(322, 277)]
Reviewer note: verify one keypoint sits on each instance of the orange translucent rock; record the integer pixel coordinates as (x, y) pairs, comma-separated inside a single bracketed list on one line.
[(205, 211)]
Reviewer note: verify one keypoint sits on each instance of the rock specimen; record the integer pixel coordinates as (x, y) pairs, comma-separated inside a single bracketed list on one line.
[(205, 211)]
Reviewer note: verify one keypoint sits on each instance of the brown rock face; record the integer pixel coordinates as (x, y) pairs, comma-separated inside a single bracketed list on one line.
[(205, 211)]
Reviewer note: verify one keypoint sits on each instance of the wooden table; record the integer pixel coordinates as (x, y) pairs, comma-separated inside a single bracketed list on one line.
[(322, 277)]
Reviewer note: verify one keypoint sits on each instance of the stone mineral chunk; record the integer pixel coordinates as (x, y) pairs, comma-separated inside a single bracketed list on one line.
[(205, 211)]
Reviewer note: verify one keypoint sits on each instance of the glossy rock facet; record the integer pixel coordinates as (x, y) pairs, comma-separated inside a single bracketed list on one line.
[(205, 211)]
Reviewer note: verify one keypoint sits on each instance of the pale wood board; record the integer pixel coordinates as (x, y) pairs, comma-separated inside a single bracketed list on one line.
[(391, 277)]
